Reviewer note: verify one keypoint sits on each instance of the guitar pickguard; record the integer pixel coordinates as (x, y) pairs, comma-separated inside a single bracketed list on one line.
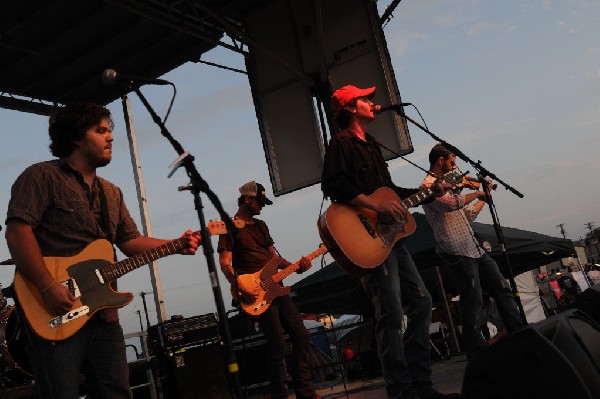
[(389, 232)]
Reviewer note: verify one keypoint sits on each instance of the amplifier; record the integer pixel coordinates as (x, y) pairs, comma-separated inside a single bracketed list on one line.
[(180, 332)]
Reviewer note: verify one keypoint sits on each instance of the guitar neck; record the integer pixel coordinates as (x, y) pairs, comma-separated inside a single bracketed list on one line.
[(114, 271), (295, 266), (417, 198)]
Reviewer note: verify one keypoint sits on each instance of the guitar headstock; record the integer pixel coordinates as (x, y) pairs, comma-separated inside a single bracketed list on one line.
[(453, 178), (218, 227), (321, 250)]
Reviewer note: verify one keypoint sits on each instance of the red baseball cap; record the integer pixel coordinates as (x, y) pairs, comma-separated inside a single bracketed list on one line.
[(344, 95)]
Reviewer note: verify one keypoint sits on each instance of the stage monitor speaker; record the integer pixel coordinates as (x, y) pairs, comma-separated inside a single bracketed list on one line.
[(555, 358), (589, 302), (300, 52), (195, 373)]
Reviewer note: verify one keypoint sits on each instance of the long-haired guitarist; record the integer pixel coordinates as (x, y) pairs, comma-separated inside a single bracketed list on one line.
[(354, 169), (56, 209), (253, 248)]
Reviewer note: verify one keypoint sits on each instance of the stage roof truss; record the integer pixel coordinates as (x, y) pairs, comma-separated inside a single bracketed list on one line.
[(53, 52)]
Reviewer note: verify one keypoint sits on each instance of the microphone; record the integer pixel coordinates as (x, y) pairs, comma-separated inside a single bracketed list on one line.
[(392, 107), (111, 77)]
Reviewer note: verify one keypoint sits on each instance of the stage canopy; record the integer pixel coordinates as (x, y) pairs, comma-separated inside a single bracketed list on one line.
[(332, 290), (53, 52)]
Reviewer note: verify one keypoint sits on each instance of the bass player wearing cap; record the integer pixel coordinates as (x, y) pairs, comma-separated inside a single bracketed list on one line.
[(251, 249)]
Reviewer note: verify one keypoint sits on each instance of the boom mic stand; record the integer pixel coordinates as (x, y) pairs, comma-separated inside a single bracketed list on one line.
[(481, 174), (197, 185)]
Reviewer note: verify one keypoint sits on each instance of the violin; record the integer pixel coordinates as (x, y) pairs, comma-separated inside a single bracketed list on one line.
[(473, 183)]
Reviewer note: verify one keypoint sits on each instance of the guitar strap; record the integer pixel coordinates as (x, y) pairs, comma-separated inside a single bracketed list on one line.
[(105, 219), (104, 211)]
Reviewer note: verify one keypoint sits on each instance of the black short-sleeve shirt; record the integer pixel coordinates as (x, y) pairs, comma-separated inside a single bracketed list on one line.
[(250, 248), (353, 166)]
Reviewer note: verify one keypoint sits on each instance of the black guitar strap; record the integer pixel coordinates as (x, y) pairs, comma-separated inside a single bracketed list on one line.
[(104, 210), (105, 218)]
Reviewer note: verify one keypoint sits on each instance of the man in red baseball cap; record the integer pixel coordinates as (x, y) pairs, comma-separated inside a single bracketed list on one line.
[(354, 169), (347, 94)]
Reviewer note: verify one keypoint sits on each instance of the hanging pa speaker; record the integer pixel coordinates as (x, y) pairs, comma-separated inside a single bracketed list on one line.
[(300, 52)]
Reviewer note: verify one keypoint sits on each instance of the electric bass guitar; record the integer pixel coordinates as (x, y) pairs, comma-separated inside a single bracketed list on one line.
[(356, 237), (88, 275), (266, 283)]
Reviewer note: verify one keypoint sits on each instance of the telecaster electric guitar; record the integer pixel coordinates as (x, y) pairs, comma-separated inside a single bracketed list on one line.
[(266, 283), (88, 275), (358, 240)]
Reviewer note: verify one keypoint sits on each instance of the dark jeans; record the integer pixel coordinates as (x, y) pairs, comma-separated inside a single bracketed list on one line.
[(283, 314), (97, 350), (473, 276), (404, 355)]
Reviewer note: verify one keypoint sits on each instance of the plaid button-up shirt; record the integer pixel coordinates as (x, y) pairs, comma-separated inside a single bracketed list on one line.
[(449, 218)]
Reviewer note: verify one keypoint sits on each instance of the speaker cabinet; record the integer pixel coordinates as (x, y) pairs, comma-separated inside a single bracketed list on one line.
[(300, 51), (195, 373), (589, 302), (556, 358)]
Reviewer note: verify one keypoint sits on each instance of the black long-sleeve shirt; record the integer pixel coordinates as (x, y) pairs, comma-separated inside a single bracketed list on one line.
[(353, 166)]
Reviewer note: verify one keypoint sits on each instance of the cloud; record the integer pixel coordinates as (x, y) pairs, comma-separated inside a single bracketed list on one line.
[(479, 28), (401, 43)]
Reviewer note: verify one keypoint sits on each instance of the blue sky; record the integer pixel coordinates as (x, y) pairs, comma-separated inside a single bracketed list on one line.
[(515, 84)]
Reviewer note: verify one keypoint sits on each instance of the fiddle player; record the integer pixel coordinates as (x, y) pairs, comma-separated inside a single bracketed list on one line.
[(450, 216)]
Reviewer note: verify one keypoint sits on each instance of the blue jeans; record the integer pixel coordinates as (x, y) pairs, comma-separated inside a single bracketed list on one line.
[(404, 355), (97, 350), (473, 276)]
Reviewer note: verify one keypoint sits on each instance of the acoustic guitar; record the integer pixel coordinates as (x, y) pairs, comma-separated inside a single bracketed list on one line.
[(88, 275), (358, 239)]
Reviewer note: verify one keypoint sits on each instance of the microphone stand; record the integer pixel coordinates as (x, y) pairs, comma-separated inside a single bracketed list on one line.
[(481, 174), (199, 184)]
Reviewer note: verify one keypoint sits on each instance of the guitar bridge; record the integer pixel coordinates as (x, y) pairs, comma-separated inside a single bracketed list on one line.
[(67, 317), (363, 219)]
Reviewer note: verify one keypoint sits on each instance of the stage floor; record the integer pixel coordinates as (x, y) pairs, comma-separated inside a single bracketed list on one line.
[(447, 377)]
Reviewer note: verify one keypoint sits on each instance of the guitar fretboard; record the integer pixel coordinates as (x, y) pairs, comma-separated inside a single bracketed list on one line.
[(450, 178), (292, 268), (114, 271), (417, 198)]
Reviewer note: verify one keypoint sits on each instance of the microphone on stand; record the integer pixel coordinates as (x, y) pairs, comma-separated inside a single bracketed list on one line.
[(392, 107), (111, 77)]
